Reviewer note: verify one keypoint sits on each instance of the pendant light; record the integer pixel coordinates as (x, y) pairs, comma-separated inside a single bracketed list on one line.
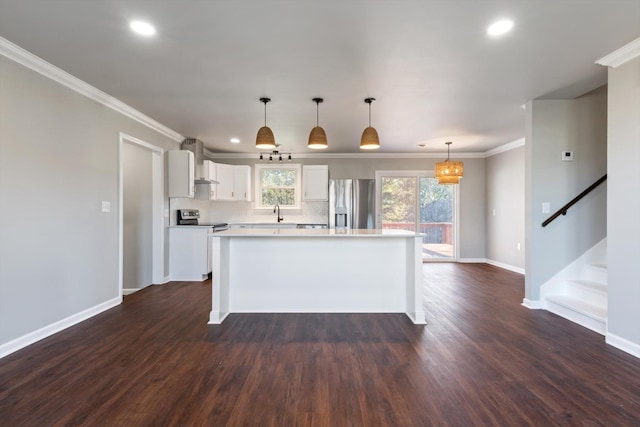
[(265, 138), (369, 140), (317, 137), (449, 172)]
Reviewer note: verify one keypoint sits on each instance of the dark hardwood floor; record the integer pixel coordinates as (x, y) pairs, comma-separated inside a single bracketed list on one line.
[(483, 359)]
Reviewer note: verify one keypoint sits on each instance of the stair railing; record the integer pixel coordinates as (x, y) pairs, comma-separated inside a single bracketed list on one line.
[(563, 210)]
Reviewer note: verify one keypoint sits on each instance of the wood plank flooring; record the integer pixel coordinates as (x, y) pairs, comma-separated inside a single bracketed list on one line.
[(481, 360)]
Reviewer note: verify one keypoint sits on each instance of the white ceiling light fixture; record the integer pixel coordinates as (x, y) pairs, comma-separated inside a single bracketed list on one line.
[(500, 28), (265, 138), (143, 28), (235, 140), (369, 140), (317, 137)]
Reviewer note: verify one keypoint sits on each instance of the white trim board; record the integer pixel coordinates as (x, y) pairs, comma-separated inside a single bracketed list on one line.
[(623, 344), (532, 304), (506, 266), (40, 66), (47, 331), (621, 56)]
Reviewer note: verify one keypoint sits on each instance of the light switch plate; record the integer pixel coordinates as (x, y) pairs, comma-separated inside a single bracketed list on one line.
[(546, 207), (567, 156), (106, 206)]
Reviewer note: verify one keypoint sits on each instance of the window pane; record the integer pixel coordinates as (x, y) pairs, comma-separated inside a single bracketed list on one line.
[(278, 196), (278, 178), (436, 218)]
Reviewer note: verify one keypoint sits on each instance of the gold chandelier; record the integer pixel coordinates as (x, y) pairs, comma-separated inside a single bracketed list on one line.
[(265, 138), (449, 172), (317, 137)]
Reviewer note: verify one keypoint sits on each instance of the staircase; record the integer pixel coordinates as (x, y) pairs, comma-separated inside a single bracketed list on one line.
[(579, 291)]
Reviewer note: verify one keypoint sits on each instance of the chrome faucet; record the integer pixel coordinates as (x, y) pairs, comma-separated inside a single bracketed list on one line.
[(277, 207)]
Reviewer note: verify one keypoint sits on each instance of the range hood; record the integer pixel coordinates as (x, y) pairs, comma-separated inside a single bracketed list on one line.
[(197, 148)]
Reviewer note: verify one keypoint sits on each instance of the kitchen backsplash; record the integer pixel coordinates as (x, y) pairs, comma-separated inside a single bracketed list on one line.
[(239, 212)]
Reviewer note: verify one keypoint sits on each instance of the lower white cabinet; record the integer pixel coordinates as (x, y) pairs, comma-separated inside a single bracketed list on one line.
[(189, 253)]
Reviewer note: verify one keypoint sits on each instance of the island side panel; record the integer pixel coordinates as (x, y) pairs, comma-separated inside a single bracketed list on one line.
[(415, 281), (318, 274), (220, 254)]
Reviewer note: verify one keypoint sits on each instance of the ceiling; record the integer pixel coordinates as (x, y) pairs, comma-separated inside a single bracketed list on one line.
[(435, 73)]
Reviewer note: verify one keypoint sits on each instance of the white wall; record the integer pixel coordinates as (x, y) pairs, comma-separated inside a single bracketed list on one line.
[(137, 217), (552, 126), (505, 208), (58, 162), (623, 224), (471, 187)]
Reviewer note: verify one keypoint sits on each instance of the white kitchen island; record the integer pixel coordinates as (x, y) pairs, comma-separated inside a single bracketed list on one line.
[(316, 271)]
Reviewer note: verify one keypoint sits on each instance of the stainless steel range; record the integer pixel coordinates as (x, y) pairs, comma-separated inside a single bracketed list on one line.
[(192, 217)]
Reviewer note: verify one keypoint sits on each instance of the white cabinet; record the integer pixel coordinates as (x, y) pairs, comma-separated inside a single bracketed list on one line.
[(242, 183), (315, 181), (225, 182), (181, 170), (208, 191), (189, 253), (209, 170)]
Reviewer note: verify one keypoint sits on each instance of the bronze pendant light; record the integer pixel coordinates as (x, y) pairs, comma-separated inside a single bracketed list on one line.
[(265, 138), (317, 137), (369, 140)]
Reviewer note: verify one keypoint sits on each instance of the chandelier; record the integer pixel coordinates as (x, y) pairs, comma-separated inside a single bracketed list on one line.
[(449, 172)]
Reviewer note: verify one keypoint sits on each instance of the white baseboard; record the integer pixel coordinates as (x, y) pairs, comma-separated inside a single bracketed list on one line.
[(30, 338), (166, 279), (623, 344), (506, 266), (532, 304), (472, 260)]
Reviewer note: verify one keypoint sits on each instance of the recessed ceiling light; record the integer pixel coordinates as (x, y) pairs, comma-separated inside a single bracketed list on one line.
[(234, 141), (499, 28), (422, 145), (142, 28)]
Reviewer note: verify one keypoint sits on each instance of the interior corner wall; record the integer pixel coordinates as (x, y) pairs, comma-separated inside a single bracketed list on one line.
[(505, 208), (623, 224), (58, 162), (553, 126)]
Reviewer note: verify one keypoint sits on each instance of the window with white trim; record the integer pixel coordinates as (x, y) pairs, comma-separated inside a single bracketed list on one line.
[(278, 184)]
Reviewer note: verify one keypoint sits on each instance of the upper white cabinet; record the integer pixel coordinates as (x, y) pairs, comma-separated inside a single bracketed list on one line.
[(181, 170), (204, 190), (315, 181), (209, 170), (225, 181), (242, 183)]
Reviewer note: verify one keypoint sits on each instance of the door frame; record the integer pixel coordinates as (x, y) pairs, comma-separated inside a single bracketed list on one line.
[(420, 174), (157, 202)]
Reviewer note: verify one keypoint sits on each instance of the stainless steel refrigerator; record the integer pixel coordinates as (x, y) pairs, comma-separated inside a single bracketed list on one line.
[(352, 203)]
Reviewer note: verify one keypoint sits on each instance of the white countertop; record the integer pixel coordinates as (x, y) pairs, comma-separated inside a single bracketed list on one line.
[(312, 232)]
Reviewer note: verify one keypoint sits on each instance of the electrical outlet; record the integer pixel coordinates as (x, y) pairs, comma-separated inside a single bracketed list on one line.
[(518, 246), (567, 156), (106, 206)]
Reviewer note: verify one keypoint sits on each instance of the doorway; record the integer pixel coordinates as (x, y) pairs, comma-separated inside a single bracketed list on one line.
[(414, 201), (141, 227)]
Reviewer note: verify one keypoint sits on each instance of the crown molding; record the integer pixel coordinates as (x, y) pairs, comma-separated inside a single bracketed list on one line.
[(40, 66), (506, 147), (470, 155), (211, 154), (623, 55)]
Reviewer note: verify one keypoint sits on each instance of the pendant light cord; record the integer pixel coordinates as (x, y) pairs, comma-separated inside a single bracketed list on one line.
[(369, 114), (265, 113), (317, 113)]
